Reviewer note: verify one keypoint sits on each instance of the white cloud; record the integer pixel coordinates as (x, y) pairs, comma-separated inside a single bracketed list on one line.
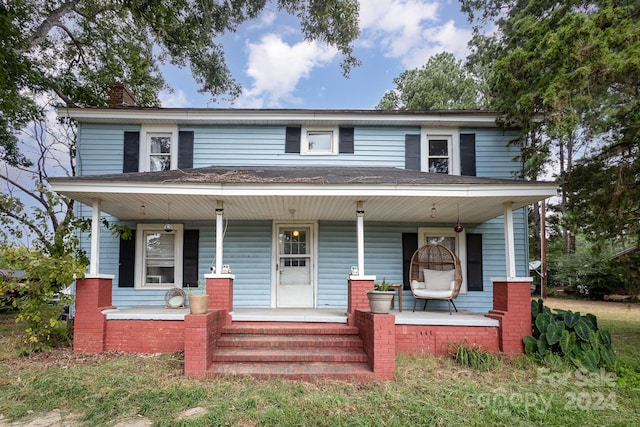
[(444, 38), (276, 68), (173, 99), (410, 30)]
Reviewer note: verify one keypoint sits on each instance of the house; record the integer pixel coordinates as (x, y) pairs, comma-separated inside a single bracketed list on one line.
[(295, 213)]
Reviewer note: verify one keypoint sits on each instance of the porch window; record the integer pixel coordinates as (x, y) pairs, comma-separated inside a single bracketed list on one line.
[(457, 242), (159, 149), (159, 256)]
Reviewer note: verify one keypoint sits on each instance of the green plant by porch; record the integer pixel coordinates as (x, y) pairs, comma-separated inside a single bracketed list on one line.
[(572, 336)]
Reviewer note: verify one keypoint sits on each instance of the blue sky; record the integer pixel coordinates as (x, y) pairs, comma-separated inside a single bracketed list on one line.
[(278, 69)]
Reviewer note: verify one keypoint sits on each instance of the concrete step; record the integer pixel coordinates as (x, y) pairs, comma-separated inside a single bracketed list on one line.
[(289, 341), (242, 354), (284, 328), (291, 350), (297, 371)]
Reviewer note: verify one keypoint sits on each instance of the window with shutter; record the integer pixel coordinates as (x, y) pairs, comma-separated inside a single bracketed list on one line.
[(457, 242)]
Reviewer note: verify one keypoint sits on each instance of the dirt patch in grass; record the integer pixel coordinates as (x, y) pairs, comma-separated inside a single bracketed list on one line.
[(609, 309)]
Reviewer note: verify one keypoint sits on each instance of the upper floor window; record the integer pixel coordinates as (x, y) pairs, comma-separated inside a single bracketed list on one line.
[(440, 151), (438, 159), (319, 141), (158, 149)]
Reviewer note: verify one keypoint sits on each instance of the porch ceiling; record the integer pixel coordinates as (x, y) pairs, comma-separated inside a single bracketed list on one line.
[(287, 194)]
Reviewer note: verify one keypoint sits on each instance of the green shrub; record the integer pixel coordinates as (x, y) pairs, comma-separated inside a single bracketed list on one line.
[(574, 337), (471, 356), (40, 299)]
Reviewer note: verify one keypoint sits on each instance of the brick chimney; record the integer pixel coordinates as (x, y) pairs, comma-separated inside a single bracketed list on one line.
[(120, 96)]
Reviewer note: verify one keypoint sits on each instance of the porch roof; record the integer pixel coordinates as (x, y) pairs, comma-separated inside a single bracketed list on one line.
[(301, 193)]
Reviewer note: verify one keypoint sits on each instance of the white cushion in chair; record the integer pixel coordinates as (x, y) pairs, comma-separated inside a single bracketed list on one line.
[(438, 280), (418, 285), (427, 294)]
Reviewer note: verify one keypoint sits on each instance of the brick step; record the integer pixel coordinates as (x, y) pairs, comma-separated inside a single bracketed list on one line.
[(289, 341), (297, 371), (242, 354), (280, 328)]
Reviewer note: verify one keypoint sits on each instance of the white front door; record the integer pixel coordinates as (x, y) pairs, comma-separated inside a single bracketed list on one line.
[(294, 266)]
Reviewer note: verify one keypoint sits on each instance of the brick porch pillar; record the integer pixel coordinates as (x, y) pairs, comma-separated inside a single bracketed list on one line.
[(201, 332), (378, 333), (220, 291), (357, 298), (512, 307), (93, 294)]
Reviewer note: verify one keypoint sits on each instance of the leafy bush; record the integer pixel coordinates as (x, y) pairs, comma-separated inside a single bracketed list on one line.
[(570, 335), (474, 357), (40, 293)]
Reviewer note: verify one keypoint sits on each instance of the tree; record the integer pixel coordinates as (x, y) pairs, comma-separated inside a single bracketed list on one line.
[(442, 83), (75, 49), (567, 71), (71, 51)]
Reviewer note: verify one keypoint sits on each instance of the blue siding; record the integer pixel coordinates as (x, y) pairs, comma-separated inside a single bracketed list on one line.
[(101, 148), (495, 157), (228, 146)]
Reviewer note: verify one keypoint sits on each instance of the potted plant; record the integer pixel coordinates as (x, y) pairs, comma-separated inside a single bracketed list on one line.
[(380, 298), (199, 302)]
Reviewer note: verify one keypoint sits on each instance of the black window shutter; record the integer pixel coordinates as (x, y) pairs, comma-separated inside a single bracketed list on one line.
[(292, 140), (468, 154), (409, 246), (412, 152), (190, 258), (185, 149), (346, 141), (127, 262), (474, 262), (131, 152)]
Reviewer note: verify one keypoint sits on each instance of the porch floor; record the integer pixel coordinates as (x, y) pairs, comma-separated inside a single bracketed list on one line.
[(428, 317)]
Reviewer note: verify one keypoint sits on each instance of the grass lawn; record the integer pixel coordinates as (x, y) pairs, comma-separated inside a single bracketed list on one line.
[(109, 388)]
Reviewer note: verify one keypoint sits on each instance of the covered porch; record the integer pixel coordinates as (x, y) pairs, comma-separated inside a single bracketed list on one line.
[(293, 195)]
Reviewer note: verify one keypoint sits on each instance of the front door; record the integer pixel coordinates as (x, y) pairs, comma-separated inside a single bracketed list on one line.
[(294, 266)]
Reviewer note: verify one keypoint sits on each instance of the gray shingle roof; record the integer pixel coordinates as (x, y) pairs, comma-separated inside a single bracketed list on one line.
[(295, 175)]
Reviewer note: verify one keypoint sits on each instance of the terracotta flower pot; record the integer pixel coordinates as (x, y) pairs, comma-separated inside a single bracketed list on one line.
[(198, 304)]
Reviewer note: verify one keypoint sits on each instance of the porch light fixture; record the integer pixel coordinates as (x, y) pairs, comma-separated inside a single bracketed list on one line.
[(219, 208), (433, 211), (458, 227), (143, 210), (168, 227), (360, 209)]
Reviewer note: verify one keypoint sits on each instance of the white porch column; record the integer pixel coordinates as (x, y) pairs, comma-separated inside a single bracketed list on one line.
[(219, 236), (360, 225), (509, 241), (94, 266)]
